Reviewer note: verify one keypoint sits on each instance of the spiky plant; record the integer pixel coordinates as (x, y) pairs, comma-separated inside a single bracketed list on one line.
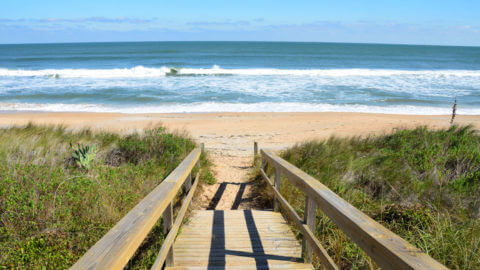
[(83, 155)]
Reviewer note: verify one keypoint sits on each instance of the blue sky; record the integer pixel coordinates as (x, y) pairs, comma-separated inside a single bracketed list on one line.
[(411, 22)]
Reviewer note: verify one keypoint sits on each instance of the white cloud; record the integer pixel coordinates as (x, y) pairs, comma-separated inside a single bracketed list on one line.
[(130, 28)]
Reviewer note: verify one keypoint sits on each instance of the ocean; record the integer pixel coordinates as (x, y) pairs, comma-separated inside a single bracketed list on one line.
[(151, 77)]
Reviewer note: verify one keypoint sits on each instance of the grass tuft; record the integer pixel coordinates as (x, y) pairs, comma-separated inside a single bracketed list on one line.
[(51, 214), (424, 185)]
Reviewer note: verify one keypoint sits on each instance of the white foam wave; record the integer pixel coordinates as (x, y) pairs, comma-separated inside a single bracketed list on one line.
[(146, 72), (235, 107), (136, 72)]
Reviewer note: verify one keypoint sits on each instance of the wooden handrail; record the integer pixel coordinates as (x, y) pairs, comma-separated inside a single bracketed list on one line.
[(170, 238), (326, 260), (114, 249), (386, 248)]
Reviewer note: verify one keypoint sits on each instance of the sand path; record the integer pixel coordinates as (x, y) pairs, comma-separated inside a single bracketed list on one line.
[(232, 190), (229, 137)]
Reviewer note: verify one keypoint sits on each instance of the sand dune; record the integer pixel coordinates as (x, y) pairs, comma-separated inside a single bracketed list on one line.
[(229, 137)]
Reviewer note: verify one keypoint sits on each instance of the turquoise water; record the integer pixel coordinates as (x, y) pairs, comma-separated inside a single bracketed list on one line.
[(239, 76)]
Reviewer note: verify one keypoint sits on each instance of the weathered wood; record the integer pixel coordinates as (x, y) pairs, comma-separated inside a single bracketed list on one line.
[(255, 149), (197, 165), (167, 226), (115, 248), (164, 253), (238, 239), (188, 183), (309, 218), (202, 147), (387, 249), (307, 233), (296, 266), (276, 185)]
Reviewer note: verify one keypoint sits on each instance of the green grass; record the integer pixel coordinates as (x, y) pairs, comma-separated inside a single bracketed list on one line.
[(424, 185), (52, 210)]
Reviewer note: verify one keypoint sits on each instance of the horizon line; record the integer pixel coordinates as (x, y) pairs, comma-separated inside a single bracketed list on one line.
[(239, 41)]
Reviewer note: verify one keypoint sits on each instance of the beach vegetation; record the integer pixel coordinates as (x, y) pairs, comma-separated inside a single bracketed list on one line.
[(56, 200), (83, 155), (208, 177), (422, 184), (454, 111)]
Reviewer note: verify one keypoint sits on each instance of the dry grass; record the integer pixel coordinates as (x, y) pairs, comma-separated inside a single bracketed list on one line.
[(423, 185), (51, 212)]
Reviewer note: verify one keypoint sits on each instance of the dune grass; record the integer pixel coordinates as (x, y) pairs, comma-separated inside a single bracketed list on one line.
[(52, 210), (422, 184)]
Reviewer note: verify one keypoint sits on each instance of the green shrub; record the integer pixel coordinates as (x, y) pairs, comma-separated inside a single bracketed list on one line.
[(51, 214), (422, 184), (208, 177)]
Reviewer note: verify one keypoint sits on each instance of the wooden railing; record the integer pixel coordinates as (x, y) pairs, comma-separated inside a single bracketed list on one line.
[(115, 249), (386, 248)]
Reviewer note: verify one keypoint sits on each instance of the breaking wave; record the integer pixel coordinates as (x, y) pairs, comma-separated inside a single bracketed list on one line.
[(146, 72), (204, 107)]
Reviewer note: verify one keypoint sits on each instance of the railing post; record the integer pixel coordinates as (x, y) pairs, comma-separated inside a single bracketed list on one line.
[(202, 147), (264, 163), (255, 149), (188, 183), (309, 218), (277, 183), (167, 226)]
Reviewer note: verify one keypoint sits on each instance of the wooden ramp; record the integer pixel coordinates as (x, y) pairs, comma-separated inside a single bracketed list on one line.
[(237, 239), (246, 239)]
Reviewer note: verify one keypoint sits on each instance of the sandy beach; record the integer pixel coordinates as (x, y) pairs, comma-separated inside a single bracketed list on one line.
[(229, 137), (234, 133)]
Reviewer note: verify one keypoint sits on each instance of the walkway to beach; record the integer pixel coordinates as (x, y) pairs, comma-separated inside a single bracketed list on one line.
[(237, 239), (232, 165), (231, 229), (246, 239)]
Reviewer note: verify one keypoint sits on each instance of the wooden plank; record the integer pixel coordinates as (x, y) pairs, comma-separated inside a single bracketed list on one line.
[(238, 239), (387, 249), (115, 248), (248, 264), (241, 244), (294, 254), (188, 182), (277, 184), (195, 252), (310, 218), (164, 252), (232, 235), (167, 226), (307, 233), (281, 242), (296, 266), (233, 263)]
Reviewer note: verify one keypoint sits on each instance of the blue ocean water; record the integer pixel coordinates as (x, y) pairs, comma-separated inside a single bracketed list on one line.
[(239, 76)]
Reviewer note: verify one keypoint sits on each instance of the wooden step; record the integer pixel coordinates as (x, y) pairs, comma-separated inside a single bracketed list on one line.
[(237, 239), (299, 266)]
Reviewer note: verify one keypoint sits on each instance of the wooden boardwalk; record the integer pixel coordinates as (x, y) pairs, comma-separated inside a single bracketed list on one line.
[(246, 239), (237, 239)]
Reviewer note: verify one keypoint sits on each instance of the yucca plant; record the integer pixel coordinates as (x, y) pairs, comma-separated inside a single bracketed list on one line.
[(83, 155)]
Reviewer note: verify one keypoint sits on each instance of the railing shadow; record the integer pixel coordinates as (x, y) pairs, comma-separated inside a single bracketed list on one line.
[(218, 251), (221, 189), (238, 197), (218, 195), (216, 258)]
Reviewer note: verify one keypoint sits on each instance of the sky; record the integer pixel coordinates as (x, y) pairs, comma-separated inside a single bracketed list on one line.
[(440, 22)]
